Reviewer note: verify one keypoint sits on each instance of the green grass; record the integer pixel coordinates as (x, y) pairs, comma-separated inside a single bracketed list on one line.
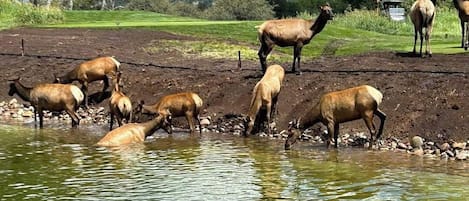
[(218, 38)]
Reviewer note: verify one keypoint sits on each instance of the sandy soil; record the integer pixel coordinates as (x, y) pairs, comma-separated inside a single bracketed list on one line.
[(426, 97)]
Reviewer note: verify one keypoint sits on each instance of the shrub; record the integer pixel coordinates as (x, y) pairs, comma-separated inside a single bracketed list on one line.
[(29, 14), (240, 10)]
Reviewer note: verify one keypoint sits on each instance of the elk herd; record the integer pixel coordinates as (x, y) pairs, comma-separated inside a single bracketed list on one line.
[(138, 122)]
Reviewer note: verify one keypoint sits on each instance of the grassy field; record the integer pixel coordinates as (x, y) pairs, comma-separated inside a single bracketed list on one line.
[(342, 36)]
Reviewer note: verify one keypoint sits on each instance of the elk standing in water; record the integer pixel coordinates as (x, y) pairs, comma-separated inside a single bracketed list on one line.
[(53, 97), (338, 107), (134, 132), (264, 97), (290, 32), (186, 104), (120, 105)]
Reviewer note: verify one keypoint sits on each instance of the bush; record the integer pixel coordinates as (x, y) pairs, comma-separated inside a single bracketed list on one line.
[(29, 14), (240, 10), (14, 13)]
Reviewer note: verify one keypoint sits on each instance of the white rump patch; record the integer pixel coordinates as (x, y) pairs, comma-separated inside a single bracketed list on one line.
[(377, 95), (77, 94), (198, 102), (118, 64)]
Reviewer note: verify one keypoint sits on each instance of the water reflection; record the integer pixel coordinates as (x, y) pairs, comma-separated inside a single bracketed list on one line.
[(63, 163)]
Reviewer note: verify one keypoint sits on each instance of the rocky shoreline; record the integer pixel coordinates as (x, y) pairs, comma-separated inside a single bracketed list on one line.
[(232, 123)]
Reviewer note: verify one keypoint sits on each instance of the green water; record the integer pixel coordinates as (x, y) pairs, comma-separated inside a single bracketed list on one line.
[(63, 164)]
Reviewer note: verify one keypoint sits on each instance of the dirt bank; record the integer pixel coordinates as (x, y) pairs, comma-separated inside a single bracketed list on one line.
[(426, 97)]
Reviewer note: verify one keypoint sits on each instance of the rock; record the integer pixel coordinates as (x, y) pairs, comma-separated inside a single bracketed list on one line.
[(13, 101), (458, 145), (462, 155), (205, 122), (444, 147), (393, 145), (401, 145), (416, 142), (28, 113), (449, 153), (306, 137)]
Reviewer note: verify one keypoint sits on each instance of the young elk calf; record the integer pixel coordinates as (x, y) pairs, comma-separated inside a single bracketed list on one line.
[(53, 97), (338, 107), (134, 132), (422, 14), (90, 71), (120, 105), (265, 96), (186, 104)]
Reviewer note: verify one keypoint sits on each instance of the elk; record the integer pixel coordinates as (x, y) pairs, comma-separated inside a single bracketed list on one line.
[(338, 107), (422, 15), (53, 97), (134, 132), (90, 71), (463, 11), (290, 32), (264, 96), (186, 104), (120, 105)]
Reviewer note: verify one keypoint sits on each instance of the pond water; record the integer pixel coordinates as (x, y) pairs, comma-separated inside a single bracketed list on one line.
[(63, 164)]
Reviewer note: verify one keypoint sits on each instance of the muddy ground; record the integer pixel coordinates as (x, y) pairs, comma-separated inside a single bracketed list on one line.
[(426, 97)]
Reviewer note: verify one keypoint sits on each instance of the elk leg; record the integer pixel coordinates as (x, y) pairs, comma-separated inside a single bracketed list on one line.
[(466, 42), (264, 51), (336, 135), (84, 89), (267, 114), (421, 41), (41, 116), (198, 121), (111, 121), (368, 118), (462, 33), (106, 85), (382, 117), (415, 38), (35, 117), (274, 112), (330, 133), (297, 58), (75, 119), (190, 121)]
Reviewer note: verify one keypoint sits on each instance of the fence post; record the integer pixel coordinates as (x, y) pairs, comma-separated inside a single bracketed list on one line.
[(239, 59), (22, 47)]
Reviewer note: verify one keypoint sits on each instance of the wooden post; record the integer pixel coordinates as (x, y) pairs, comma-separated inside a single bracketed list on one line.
[(22, 47), (239, 59)]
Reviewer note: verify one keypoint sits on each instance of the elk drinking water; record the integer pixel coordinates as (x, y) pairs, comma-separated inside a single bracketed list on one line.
[(264, 97), (290, 32), (186, 104), (338, 107), (134, 132)]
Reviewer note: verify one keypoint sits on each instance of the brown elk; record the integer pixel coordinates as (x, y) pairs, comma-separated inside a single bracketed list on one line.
[(186, 104), (90, 71), (265, 96), (422, 15), (53, 97), (338, 107), (290, 32), (120, 105), (134, 132), (463, 11)]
